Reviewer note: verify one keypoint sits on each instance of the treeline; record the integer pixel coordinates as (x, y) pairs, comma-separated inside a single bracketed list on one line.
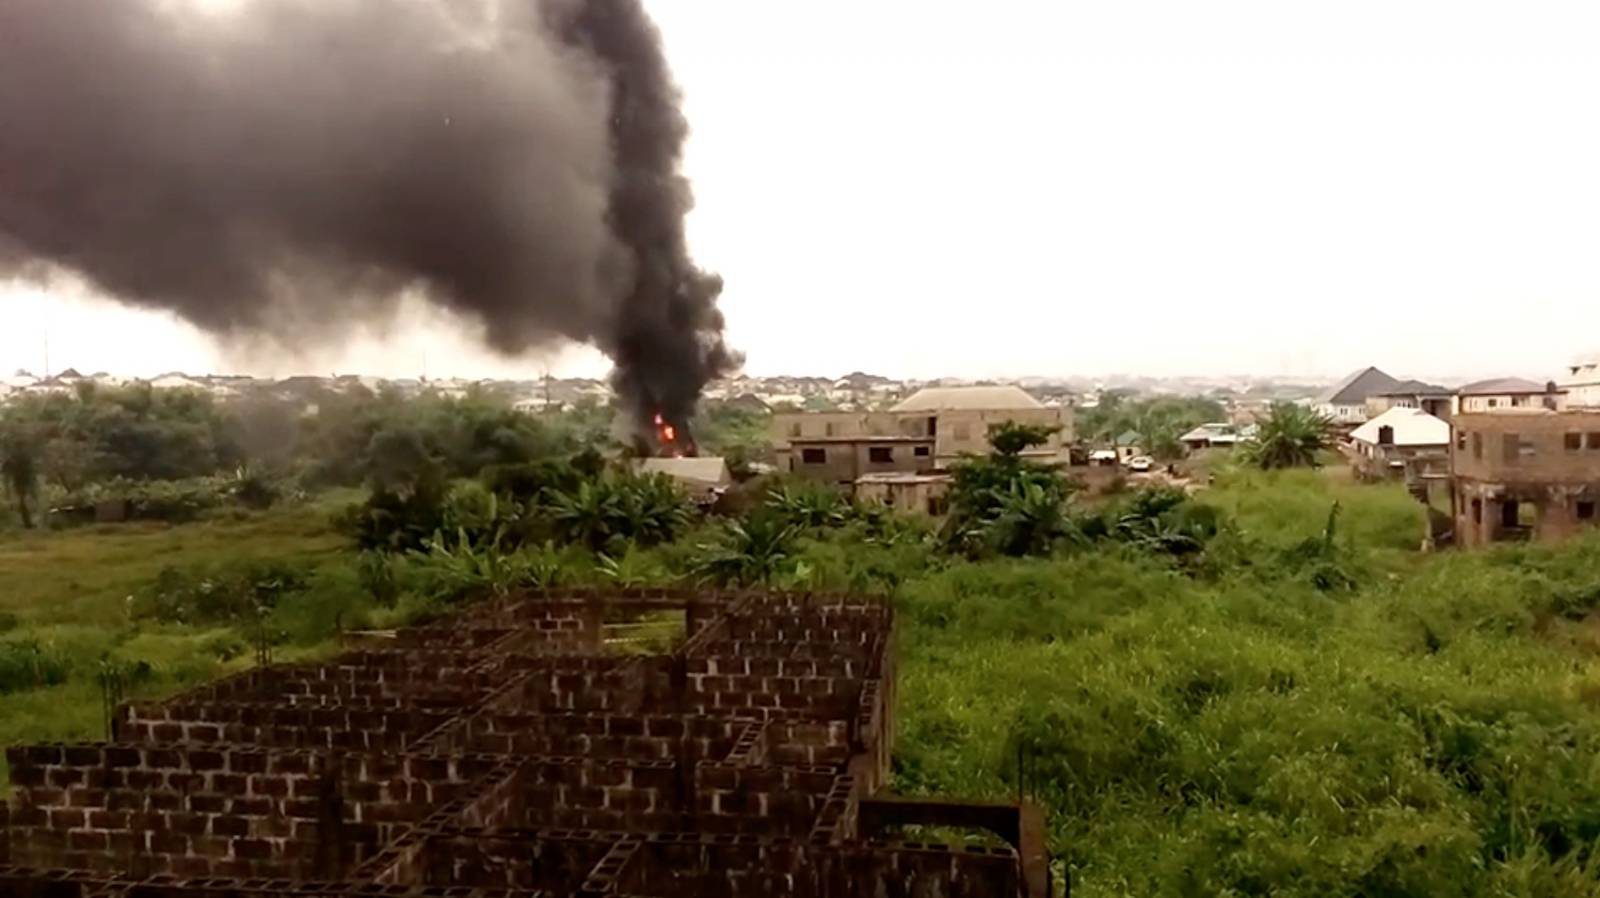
[(1157, 421), (96, 443)]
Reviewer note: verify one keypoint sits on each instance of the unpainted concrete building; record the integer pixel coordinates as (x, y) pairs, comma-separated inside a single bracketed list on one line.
[(955, 419), (1504, 393), (844, 460), (910, 493), (1524, 474), (511, 753)]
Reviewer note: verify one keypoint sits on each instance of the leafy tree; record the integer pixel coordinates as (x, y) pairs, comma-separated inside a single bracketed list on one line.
[(1290, 436), (1029, 519), (1005, 503), (19, 465), (807, 505), (732, 431), (1159, 421), (1164, 520), (587, 515), (653, 509), (1011, 439)]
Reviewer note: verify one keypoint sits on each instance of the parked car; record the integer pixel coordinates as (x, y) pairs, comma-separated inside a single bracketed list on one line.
[(1141, 463)]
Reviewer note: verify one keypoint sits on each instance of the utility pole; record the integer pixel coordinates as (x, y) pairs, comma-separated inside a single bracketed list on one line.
[(47, 354)]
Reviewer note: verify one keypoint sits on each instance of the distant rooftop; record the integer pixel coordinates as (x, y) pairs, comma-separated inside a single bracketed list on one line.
[(937, 399), (1407, 426), (709, 471), (863, 438), (1356, 387), (1416, 388), (902, 477), (1501, 386)]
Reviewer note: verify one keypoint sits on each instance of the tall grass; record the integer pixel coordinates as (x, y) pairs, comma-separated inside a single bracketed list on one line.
[(1223, 728), (1435, 733)]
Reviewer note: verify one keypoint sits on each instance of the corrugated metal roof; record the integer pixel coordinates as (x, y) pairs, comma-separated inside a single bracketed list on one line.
[(935, 399), (707, 470), (1411, 426), (902, 477)]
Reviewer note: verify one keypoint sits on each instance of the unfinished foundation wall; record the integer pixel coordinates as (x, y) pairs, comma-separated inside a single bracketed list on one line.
[(506, 753)]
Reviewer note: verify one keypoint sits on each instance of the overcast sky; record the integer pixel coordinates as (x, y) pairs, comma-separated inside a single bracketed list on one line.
[(922, 188)]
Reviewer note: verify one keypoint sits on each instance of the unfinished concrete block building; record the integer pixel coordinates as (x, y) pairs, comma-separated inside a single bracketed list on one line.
[(516, 752), (1524, 474)]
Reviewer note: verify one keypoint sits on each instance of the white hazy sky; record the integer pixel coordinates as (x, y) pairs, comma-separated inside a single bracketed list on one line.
[(1001, 188)]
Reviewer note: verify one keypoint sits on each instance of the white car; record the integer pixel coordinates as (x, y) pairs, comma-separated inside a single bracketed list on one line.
[(1141, 463)]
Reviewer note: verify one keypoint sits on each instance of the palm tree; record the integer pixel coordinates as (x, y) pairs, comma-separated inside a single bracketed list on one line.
[(588, 514), (1289, 437), (749, 552), (1031, 520), (19, 465)]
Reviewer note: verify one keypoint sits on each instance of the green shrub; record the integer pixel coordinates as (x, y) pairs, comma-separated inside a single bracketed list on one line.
[(750, 552), (29, 664), (231, 594)]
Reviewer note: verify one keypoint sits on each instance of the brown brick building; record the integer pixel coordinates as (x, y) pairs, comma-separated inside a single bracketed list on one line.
[(1524, 473), (515, 752), (955, 421)]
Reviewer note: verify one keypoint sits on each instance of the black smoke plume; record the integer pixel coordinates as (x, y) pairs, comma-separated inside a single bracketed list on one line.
[(290, 167)]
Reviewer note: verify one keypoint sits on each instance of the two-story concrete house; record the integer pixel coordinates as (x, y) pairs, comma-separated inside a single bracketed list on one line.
[(955, 419), (1581, 382), (1503, 393), (959, 418), (1524, 473)]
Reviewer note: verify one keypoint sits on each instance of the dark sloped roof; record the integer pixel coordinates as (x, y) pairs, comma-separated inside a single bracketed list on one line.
[(1357, 387), (1415, 388)]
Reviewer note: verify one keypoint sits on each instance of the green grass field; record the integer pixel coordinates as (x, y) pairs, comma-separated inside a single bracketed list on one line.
[(66, 600), (1231, 730)]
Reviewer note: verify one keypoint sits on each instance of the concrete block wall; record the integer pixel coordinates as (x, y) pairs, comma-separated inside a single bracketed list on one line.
[(763, 800), (555, 860), (198, 810), (356, 729), (653, 737), (505, 753)]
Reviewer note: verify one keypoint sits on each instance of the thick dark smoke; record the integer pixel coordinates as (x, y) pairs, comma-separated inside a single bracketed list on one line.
[(289, 167)]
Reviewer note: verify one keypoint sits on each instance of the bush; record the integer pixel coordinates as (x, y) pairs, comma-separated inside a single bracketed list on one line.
[(229, 595), (394, 521), (451, 570), (757, 550), (29, 664)]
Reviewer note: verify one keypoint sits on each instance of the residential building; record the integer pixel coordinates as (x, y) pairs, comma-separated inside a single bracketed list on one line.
[(174, 380), (1402, 442), (1581, 383), (1524, 473), (1216, 435), (955, 419), (1129, 445), (959, 418), (1504, 393), (1430, 398), (704, 478), (844, 460), (909, 492), (1345, 403)]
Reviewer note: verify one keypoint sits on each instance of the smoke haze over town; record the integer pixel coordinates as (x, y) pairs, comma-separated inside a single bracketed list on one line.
[(1250, 189)]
